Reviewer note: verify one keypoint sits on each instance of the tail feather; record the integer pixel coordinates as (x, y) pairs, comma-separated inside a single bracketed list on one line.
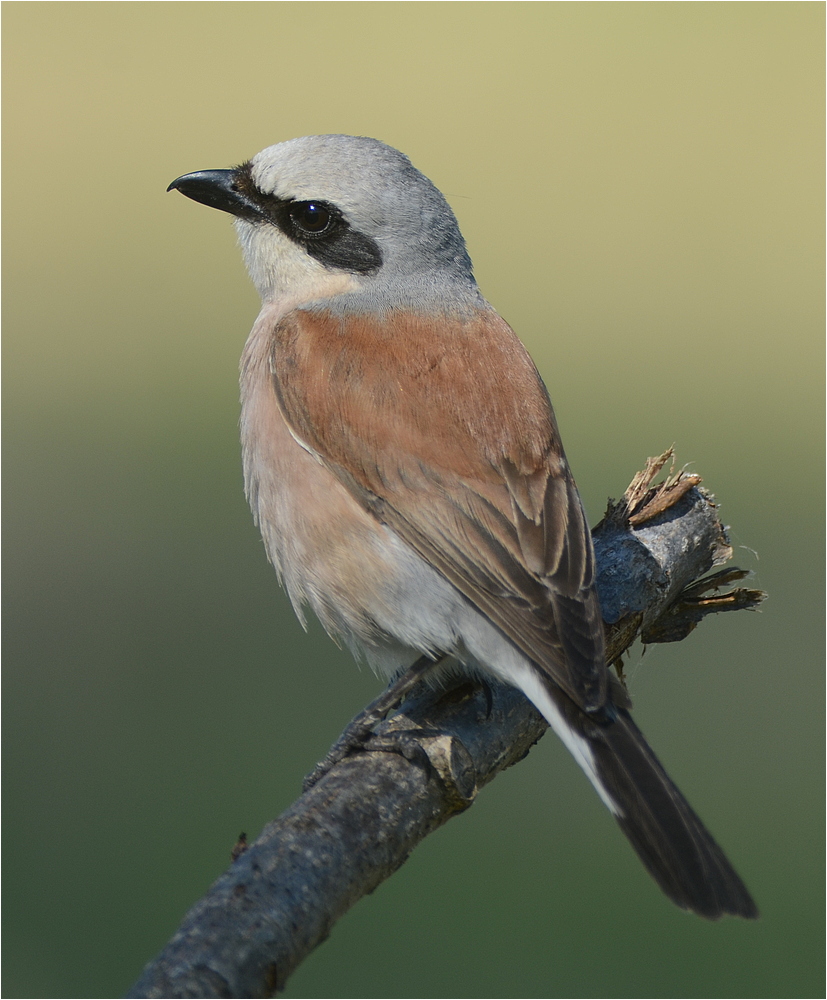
[(670, 839)]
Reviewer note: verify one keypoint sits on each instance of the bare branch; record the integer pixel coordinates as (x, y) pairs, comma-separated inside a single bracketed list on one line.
[(358, 824)]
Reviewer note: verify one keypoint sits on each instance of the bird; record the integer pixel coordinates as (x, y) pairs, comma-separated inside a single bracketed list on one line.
[(403, 463)]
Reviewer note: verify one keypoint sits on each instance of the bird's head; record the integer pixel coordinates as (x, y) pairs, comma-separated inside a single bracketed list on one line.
[(331, 214)]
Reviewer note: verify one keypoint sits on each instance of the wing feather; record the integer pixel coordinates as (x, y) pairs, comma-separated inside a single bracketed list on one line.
[(443, 429)]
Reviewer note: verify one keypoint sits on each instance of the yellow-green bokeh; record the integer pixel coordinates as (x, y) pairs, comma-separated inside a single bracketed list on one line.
[(640, 185)]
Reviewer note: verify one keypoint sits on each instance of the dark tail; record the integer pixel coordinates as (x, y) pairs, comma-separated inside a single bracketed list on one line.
[(671, 841)]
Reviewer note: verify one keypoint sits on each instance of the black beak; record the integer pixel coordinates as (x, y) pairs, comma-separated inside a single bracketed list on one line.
[(219, 189)]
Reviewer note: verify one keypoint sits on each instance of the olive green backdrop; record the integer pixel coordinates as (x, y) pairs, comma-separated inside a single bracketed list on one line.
[(640, 186)]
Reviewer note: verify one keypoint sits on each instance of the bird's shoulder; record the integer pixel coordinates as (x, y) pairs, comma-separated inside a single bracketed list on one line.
[(455, 389)]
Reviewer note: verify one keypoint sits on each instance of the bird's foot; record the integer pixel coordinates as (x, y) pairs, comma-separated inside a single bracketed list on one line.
[(360, 729)]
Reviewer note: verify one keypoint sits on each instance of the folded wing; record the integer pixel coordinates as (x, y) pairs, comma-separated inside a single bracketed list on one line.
[(443, 429)]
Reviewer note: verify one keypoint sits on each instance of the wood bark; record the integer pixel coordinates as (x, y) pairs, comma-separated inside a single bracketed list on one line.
[(282, 895)]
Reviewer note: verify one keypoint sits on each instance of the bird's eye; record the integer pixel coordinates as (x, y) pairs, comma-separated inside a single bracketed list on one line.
[(311, 217)]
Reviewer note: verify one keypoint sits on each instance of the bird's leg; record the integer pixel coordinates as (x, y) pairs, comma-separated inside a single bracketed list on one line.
[(362, 726)]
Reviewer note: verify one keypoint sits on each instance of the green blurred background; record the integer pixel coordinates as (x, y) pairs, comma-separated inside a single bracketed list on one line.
[(640, 185)]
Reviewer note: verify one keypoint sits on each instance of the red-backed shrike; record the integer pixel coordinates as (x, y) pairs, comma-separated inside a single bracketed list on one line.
[(403, 463)]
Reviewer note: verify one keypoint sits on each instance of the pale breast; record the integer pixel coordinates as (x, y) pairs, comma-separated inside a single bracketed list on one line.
[(330, 553)]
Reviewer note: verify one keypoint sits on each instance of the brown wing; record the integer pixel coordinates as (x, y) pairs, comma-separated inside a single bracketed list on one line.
[(443, 429)]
